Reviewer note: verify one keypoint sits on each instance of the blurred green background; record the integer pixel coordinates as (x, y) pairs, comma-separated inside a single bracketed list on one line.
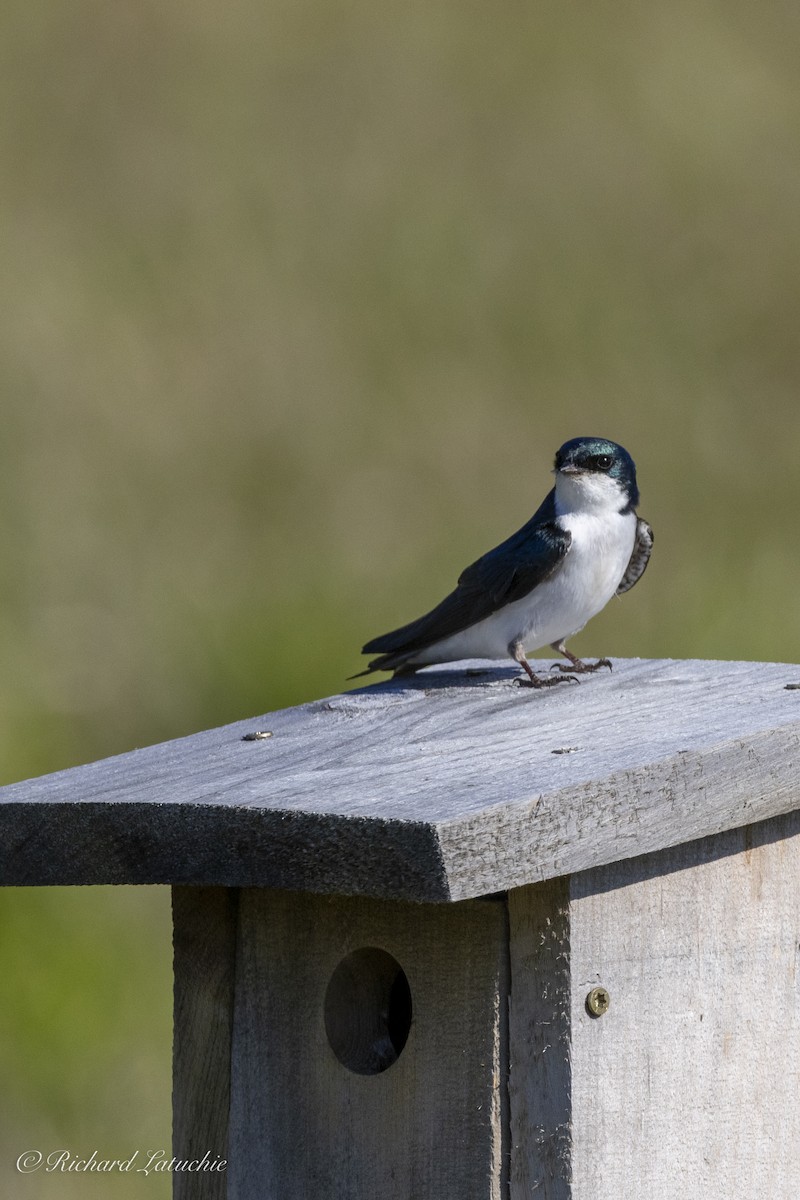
[(298, 301)]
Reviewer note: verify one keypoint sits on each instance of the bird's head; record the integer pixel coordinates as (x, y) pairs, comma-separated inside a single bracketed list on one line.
[(593, 473)]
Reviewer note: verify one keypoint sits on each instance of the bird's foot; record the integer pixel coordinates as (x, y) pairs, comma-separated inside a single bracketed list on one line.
[(543, 681), (580, 667)]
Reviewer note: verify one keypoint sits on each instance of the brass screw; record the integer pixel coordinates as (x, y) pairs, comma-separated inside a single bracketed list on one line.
[(598, 1002)]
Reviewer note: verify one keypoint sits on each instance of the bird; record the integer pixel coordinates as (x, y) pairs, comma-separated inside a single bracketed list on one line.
[(584, 544)]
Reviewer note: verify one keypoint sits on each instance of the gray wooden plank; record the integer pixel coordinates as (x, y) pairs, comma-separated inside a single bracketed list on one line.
[(431, 1125), (90, 842), (540, 1078), (686, 796), (444, 786), (204, 938), (687, 1087)]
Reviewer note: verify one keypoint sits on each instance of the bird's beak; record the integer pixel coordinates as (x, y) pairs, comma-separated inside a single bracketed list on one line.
[(570, 469)]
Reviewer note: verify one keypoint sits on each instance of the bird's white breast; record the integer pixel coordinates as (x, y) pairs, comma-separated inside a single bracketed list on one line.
[(601, 548)]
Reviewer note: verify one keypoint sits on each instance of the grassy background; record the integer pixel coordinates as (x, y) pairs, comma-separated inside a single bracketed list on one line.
[(298, 301)]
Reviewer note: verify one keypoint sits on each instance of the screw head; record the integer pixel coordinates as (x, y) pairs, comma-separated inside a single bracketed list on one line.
[(598, 1002)]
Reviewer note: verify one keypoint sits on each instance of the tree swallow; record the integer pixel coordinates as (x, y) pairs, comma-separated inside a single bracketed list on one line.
[(583, 545)]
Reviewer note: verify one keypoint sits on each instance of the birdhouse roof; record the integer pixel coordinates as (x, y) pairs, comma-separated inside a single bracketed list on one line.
[(450, 784)]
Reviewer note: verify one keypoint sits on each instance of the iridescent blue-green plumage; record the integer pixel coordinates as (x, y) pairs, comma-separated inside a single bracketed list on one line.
[(584, 452)]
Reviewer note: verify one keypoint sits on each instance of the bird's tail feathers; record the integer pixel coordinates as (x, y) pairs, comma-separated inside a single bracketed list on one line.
[(388, 662)]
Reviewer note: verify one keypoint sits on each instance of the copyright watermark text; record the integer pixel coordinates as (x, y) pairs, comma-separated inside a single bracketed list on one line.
[(140, 1162)]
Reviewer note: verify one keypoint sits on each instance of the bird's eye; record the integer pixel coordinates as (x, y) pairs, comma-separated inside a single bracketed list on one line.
[(601, 462)]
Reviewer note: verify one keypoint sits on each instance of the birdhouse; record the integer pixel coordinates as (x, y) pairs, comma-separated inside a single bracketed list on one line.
[(443, 938)]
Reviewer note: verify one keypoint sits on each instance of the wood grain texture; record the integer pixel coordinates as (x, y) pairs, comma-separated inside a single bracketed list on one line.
[(204, 937), (540, 1079), (431, 1126), (687, 1088), (444, 786)]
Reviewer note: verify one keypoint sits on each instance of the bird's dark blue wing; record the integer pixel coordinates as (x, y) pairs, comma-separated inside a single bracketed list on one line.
[(642, 548), (498, 578)]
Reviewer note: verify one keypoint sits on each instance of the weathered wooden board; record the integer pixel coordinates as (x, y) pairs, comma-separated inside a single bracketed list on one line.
[(204, 922), (540, 1030), (687, 1088), (444, 786), (431, 1125)]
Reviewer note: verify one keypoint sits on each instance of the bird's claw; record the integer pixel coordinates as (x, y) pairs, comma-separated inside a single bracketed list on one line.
[(539, 682), (583, 668)]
